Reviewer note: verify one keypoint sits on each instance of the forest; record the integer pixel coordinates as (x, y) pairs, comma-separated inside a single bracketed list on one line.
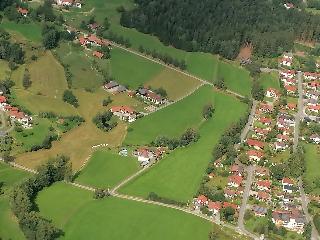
[(223, 27)]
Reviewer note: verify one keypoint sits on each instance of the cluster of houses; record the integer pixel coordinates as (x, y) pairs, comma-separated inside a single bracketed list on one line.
[(287, 58), (148, 155), (93, 40), (14, 113), (68, 3), (311, 92), (288, 78)]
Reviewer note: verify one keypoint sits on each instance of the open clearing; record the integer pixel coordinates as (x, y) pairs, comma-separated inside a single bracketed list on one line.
[(105, 169), (184, 114), (81, 217), (30, 31), (269, 80), (178, 175), (312, 157), (9, 227)]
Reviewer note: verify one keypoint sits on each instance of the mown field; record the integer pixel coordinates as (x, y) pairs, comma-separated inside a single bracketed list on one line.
[(178, 175), (171, 121), (4, 70), (81, 217), (269, 80), (105, 169), (312, 156), (9, 227)]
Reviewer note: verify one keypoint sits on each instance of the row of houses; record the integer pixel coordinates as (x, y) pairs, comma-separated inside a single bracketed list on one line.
[(311, 92), (214, 207), (68, 3), (14, 113)]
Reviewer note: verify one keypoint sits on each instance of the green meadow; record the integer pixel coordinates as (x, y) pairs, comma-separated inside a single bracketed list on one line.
[(30, 31), (105, 169), (312, 156), (9, 226), (269, 80), (178, 175)]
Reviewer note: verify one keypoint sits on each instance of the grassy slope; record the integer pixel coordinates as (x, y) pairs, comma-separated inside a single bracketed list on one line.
[(31, 31), (268, 80), (9, 227), (4, 69), (173, 120), (132, 70), (312, 163), (81, 217), (178, 175), (106, 169)]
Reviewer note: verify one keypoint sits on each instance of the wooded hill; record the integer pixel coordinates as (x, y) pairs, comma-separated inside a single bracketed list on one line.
[(222, 27)]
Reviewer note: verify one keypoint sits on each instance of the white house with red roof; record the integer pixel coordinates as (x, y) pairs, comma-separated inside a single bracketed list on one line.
[(258, 145), (290, 89), (310, 76), (236, 169), (286, 60), (314, 108), (235, 181), (272, 93), (287, 74), (65, 3), (214, 207), (262, 171), (200, 201), (292, 106), (263, 185), (3, 102), (125, 113), (255, 155), (263, 196), (266, 121)]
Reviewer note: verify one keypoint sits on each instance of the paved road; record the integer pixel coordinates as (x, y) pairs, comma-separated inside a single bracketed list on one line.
[(248, 126), (246, 194), (300, 113), (304, 202), (269, 70)]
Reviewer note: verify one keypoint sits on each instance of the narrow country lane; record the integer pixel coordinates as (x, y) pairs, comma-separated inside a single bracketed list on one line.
[(248, 126), (299, 115)]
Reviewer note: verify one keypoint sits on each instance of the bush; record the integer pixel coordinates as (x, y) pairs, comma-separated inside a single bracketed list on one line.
[(102, 121), (154, 197), (70, 98)]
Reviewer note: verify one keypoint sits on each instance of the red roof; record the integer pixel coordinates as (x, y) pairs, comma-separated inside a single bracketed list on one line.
[(316, 107), (253, 142), (265, 120), (261, 130), (281, 136), (98, 54), (95, 39), (232, 205), (23, 10), (273, 90), (3, 99), (263, 195), (287, 181), (235, 179), (82, 40), (292, 106), (264, 183), (262, 170), (235, 168), (255, 153), (290, 88), (202, 199), (124, 109), (214, 205), (16, 114)]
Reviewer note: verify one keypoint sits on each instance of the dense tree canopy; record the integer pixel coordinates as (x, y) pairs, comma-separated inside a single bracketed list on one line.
[(224, 26)]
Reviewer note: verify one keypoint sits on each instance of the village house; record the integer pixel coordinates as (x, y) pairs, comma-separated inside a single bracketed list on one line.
[(214, 207), (144, 155), (200, 201), (69, 3), (288, 81), (287, 58), (272, 93), (258, 145), (263, 185), (97, 54), (314, 85), (110, 85), (310, 76), (290, 89), (288, 6), (259, 211), (280, 146), (255, 155), (232, 205), (3, 102), (261, 132), (150, 96), (287, 185), (312, 95), (262, 171), (292, 106), (218, 163), (24, 12), (315, 138), (263, 196), (125, 113), (236, 169), (266, 121), (291, 220), (265, 108), (229, 193), (235, 181), (288, 74), (20, 117), (314, 108), (282, 138)]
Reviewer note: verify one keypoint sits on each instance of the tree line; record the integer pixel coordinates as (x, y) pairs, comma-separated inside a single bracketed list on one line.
[(223, 27), (10, 51), (22, 203)]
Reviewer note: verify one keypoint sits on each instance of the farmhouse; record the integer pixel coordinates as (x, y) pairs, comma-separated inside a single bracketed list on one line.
[(272, 93), (259, 211), (20, 117), (150, 96), (315, 138), (125, 113), (235, 181), (292, 220), (255, 144), (24, 12), (255, 155)]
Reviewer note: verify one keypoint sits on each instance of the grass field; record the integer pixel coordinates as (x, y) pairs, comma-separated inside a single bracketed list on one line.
[(4, 70), (30, 31), (81, 217), (9, 227), (105, 169), (312, 157), (131, 70), (268, 80), (178, 175), (173, 120)]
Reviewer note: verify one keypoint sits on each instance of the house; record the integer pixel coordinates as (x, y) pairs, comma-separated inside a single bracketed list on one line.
[(290, 89), (315, 138), (98, 54), (312, 94), (265, 108), (265, 121), (82, 40), (65, 3), (144, 155), (280, 146), (3, 102), (263, 185), (235, 181), (94, 26), (262, 171), (261, 132), (110, 85), (287, 185), (286, 59), (214, 207), (314, 108), (150, 96), (272, 93), (24, 12), (288, 81), (125, 113), (22, 118), (288, 6), (310, 76), (236, 169), (292, 106), (288, 74), (314, 85), (229, 193), (232, 205), (218, 163), (94, 40), (258, 145), (201, 201), (282, 138), (291, 220), (255, 155), (259, 211), (263, 196)]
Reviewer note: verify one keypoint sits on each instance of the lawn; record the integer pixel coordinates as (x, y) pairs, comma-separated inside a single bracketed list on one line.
[(9, 227), (312, 157), (30, 31), (131, 70), (178, 175), (105, 169), (171, 121), (81, 217), (269, 80)]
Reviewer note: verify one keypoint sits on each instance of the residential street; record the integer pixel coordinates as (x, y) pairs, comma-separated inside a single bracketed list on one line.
[(246, 194), (299, 115), (248, 126)]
